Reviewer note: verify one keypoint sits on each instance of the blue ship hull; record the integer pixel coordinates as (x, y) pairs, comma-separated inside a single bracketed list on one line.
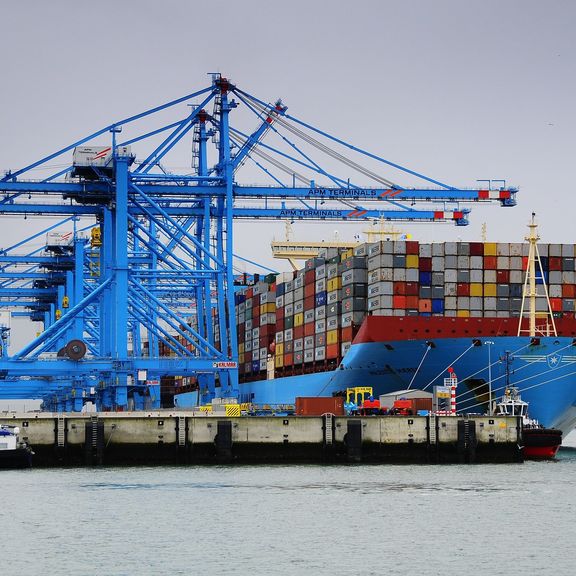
[(545, 374)]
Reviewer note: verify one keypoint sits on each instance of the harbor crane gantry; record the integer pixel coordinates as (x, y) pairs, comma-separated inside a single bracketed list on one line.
[(146, 247)]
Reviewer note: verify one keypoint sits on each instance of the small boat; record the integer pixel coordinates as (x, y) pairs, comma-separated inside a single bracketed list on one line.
[(539, 443), (14, 453)]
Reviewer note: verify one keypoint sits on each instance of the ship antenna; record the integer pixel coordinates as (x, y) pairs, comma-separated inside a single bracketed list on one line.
[(530, 285)]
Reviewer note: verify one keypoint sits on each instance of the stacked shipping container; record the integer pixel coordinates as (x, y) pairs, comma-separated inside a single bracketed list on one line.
[(305, 321)]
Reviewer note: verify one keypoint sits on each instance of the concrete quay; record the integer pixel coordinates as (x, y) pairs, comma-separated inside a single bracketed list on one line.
[(174, 437)]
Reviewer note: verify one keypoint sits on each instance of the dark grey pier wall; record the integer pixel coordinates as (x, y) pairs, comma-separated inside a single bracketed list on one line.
[(187, 438)]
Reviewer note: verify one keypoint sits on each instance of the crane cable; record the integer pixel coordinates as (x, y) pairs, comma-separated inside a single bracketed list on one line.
[(326, 149)]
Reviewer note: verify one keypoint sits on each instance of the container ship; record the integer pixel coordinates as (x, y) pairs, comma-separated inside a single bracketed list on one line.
[(396, 315)]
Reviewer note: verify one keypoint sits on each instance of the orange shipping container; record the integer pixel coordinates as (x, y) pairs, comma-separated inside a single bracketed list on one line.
[(425, 305), (288, 359), (556, 304), (332, 351), (318, 405), (399, 302)]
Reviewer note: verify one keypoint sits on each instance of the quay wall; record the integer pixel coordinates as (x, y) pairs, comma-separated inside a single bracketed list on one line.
[(189, 438)]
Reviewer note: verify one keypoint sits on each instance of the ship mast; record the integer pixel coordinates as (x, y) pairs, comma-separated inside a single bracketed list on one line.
[(530, 286)]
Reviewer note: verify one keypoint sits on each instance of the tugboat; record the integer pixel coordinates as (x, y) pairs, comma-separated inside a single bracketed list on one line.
[(539, 443), (13, 452)]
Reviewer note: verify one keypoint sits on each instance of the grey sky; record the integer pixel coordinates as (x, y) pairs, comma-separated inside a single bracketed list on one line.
[(458, 90)]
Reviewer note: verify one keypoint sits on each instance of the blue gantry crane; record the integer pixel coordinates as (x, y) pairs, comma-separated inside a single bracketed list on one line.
[(135, 281)]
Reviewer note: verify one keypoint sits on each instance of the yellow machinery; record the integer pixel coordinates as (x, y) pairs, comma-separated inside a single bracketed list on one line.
[(359, 392)]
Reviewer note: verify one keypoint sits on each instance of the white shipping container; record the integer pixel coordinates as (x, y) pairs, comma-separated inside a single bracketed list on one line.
[(476, 262), (463, 262), (489, 276), (555, 291), (399, 275), (333, 296), (320, 353), (516, 277), (425, 250), (476, 276), (437, 249), (437, 262), (331, 271), (412, 275), (503, 263), (516, 249)]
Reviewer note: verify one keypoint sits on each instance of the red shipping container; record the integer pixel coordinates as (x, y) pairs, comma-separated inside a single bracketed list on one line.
[(476, 249), (256, 301), (555, 263), (309, 303), (332, 351), (463, 289), (279, 324), (288, 359), (279, 313), (490, 262), (425, 264), (347, 334), (568, 291), (318, 405), (524, 262), (309, 329), (556, 304), (309, 277), (412, 289), (298, 332), (309, 290), (399, 302), (248, 356), (412, 247), (502, 276), (399, 288), (412, 302), (249, 293)]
